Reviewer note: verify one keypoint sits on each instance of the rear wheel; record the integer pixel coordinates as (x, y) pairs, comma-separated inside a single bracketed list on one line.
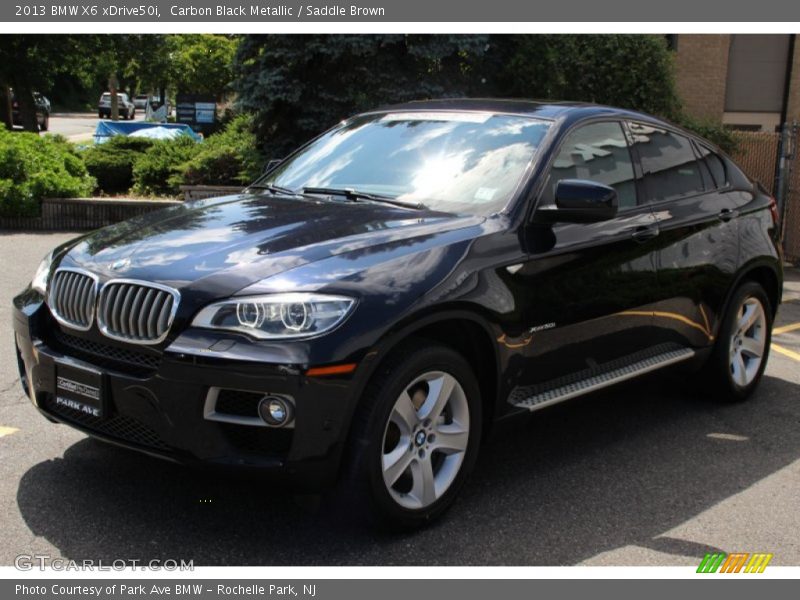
[(416, 437), (742, 348)]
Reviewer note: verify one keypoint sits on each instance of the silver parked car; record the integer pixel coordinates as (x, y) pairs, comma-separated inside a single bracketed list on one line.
[(127, 110)]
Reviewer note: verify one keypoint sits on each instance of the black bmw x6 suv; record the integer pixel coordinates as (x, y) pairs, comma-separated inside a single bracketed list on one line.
[(365, 311)]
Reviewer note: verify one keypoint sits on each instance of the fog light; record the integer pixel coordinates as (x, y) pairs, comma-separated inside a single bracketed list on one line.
[(275, 411)]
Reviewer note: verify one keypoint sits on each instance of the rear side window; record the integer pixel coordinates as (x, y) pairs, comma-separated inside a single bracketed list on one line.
[(597, 152), (715, 166), (669, 165)]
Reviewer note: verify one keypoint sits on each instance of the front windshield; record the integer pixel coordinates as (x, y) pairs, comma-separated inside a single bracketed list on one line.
[(459, 162)]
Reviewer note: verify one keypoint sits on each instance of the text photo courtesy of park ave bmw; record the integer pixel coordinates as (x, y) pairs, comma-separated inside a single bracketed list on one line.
[(285, 298)]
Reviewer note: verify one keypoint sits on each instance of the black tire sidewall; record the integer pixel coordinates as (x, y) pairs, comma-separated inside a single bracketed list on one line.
[(367, 441), (725, 388)]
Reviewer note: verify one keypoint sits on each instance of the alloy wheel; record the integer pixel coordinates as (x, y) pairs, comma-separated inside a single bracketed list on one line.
[(748, 342), (425, 440)]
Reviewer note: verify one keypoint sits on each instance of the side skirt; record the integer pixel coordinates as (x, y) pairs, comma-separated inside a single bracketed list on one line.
[(549, 393)]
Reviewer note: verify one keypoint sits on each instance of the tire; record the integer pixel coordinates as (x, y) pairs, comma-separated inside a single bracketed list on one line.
[(740, 355), (393, 423)]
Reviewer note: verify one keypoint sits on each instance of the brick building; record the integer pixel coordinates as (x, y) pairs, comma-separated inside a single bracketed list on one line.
[(749, 82)]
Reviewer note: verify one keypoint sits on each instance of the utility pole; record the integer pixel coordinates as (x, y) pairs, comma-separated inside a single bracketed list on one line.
[(786, 157)]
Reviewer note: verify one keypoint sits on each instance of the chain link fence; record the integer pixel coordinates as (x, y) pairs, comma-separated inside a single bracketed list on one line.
[(758, 154)]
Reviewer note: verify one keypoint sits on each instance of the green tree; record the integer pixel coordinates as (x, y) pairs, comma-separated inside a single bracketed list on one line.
[(299, 85), (628, 71), (30, 63), (201, 63), (131, 63), (33, 63), (144, 62)]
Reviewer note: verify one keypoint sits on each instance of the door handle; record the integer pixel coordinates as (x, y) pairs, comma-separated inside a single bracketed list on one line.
[(726, 214), (645, 232)]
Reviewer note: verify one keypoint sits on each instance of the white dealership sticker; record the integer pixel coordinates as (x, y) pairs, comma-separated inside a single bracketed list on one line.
[(485, 194)]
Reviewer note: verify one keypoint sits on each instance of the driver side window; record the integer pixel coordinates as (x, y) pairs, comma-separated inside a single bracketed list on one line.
[(597, 152)]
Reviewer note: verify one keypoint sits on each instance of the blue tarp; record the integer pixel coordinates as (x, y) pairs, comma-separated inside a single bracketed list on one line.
[(107, 129)]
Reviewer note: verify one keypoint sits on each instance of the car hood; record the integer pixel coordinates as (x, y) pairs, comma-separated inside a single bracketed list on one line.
[(222, 245)]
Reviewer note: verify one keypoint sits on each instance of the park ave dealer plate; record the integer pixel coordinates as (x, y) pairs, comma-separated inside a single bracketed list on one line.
[(80, 389)]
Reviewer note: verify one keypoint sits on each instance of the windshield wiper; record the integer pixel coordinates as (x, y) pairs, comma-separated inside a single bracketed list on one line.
[(274, 189), (355, 196)]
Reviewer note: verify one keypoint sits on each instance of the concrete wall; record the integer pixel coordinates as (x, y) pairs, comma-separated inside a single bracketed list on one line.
[(81, 214)]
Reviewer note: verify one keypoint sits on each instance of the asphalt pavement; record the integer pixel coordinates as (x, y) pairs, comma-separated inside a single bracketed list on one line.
[(646, 473)]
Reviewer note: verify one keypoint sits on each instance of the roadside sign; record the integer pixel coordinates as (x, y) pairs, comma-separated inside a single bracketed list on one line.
[(199, 111)]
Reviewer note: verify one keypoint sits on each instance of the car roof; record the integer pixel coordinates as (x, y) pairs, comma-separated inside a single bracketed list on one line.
[(543, 109)]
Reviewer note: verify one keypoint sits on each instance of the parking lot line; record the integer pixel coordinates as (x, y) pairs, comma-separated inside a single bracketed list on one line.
[(786, 352), (786, 328), (4, 431)]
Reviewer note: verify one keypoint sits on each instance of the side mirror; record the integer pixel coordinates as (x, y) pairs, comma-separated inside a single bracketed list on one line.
[(580, 201), (271, 164)]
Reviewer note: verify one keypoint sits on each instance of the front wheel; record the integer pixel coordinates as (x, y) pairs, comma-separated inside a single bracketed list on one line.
[(416, 436), (742, 348)]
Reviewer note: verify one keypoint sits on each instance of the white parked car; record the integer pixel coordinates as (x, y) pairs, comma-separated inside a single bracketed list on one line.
[(127, 110), (140, 101)]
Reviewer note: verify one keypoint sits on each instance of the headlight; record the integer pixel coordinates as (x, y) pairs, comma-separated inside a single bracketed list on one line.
[(39, 282), (277, 316)]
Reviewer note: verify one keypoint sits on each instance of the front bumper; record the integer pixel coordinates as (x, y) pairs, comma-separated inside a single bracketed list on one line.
[(157, 403)]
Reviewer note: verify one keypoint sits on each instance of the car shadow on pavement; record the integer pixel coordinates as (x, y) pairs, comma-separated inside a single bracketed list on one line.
[(616, 468)]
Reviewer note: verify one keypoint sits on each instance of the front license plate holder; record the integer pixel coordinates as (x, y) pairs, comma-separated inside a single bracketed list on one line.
[(81, 389)]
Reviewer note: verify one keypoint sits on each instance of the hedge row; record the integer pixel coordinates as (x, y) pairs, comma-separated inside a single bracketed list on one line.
[(160, 167), (33, 167)]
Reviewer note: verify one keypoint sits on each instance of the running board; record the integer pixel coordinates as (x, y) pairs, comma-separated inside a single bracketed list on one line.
[(535, 401)]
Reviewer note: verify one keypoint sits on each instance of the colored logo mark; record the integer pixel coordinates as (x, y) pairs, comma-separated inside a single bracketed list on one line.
[(736, 562)]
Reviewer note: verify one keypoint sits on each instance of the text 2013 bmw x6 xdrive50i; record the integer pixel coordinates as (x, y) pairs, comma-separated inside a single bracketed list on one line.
[(368, 308)]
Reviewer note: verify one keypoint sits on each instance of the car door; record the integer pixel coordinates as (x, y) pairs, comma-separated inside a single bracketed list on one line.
[(698, 245), (587, 288)]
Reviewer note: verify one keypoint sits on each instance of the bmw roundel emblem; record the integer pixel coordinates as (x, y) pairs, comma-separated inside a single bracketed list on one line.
[(121, 264)]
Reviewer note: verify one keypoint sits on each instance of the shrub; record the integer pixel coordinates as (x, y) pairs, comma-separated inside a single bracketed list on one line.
[(226, 158), (111, 163), (159, 170), (33, 167), (229, 157)]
